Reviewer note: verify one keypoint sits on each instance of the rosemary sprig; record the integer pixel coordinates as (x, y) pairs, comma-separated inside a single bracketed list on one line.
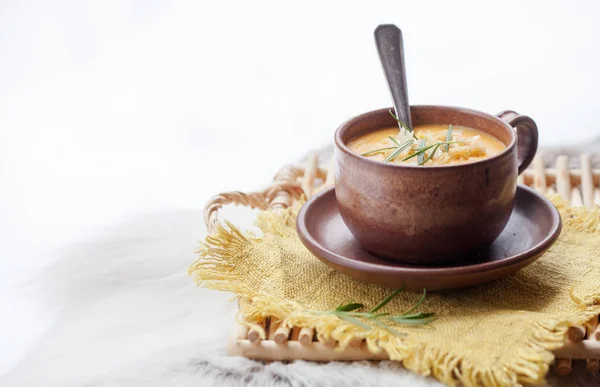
[(448, 139), (419, 151), (388, 299), (354, 321), (435, 148), (399, 150), (417, 304), (402, 124), (348, 307), (420, 155), (348, 312), (377, 151), (394, 140)]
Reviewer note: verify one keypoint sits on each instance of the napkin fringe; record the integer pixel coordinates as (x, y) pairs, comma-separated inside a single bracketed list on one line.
[(213, 269), (584, 219)]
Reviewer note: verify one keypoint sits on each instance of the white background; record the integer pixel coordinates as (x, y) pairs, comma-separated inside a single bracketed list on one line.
[(112, 108)]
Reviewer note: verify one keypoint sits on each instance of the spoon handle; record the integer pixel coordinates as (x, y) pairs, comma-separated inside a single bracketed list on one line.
[(388, 39)]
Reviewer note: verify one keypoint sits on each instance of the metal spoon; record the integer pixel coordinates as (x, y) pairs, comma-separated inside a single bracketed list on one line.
[(388, 39)]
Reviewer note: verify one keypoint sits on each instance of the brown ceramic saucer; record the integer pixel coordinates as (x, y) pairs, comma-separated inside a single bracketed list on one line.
[(533, 227)]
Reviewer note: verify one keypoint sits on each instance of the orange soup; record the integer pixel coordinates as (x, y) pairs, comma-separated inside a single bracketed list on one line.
[(427, 145)]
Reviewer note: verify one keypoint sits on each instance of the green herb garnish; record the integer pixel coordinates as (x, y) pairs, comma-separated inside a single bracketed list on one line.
[(377, 151), (394, 140), (420, 155), (348, 307), (448, 138), (399, 150), (347, 313), (420, 151), (402, 124)]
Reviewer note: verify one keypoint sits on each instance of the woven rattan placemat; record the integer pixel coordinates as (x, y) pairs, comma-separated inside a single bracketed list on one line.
[(578, 186)]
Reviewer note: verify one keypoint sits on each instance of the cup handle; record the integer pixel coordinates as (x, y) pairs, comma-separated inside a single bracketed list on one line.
[(527, 136)]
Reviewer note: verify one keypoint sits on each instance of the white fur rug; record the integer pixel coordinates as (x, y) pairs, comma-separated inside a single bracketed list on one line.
[(128, 315)]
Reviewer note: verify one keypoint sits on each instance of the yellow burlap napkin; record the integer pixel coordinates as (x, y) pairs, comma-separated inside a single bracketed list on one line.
[(500, 333)]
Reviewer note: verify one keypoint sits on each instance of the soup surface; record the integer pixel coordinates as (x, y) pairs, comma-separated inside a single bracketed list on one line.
[(433, 145)]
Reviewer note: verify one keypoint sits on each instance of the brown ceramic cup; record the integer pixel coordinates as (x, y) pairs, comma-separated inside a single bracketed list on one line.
[(431, 214)]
